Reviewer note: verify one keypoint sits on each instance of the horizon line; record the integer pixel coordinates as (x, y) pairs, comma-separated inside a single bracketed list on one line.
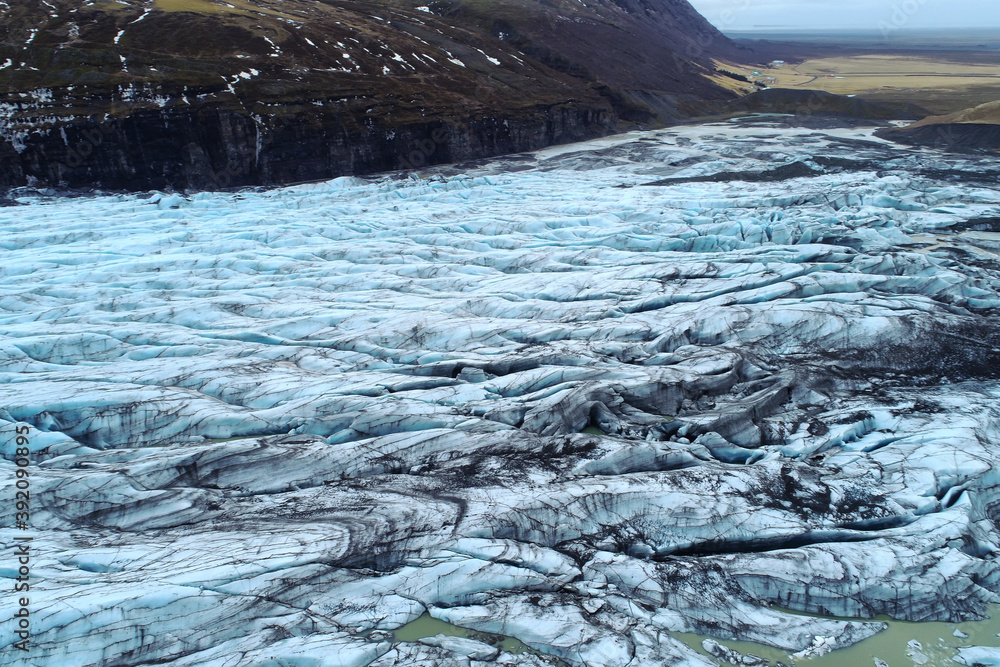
[(864, 28)]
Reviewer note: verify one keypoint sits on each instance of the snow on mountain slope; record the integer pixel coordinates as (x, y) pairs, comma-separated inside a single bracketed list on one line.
[(201, 94), (265, 424)]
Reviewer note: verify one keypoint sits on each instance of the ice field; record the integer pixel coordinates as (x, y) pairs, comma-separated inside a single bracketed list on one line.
[(740, 380)]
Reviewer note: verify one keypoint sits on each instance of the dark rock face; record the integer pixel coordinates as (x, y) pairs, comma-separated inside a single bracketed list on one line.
[(960, 137), (217, 148), (807, 103), (136, 96)]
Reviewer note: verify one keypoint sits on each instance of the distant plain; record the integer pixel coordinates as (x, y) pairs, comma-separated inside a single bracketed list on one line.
[(942, 71)]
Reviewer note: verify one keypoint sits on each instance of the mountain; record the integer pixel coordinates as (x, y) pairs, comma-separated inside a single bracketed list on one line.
[(972, 129), (140, 94)]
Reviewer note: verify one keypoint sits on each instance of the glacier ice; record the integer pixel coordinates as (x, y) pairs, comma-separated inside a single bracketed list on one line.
[(587, 397)]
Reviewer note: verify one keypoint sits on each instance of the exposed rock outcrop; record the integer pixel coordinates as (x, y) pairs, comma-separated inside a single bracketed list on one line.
[(809, 103), (202, 94)]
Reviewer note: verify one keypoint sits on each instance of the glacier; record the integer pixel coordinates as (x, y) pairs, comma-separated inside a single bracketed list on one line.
[(737, 379)]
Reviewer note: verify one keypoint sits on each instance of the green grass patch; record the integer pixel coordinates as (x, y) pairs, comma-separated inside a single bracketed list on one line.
[(196, 7), (239, 7)]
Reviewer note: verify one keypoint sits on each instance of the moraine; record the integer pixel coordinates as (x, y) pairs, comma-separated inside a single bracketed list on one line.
[(591, 398)]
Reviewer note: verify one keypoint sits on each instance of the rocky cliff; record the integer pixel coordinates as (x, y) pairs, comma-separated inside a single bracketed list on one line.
[(195, 94)]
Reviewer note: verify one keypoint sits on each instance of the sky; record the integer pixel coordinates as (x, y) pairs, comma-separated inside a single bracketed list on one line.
[(874, 15)]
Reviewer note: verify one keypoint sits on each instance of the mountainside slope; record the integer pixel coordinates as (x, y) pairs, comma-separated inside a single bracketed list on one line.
[(970, 130), (988, 113), (196, 93)]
